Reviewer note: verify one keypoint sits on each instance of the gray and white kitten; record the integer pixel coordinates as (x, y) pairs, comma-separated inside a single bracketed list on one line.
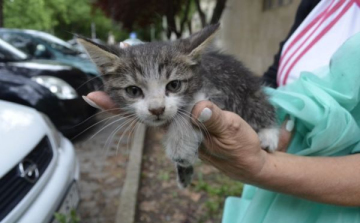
[(160, 82)]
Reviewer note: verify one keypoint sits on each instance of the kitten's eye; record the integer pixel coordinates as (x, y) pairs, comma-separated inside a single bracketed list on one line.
[(133, 91), (173, 86)]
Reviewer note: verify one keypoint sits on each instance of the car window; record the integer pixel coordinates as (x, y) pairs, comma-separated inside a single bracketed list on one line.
[(22, 43), (61, 48), (54, 42)]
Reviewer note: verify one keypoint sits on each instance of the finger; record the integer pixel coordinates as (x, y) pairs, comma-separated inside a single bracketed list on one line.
[(91, 103), (101, 100), (210, 115), (216, 162), (285, 135), (206, 156), (124, 45)]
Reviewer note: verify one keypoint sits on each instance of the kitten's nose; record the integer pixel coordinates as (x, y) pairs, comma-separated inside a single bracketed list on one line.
[(157, 111)]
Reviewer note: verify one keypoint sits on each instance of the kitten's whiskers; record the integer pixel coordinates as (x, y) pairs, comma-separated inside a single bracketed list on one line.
[(125, 132), (97, 113), (131, 133), (200, 125), (87, 82), (111, 136), (105, 119), (122, 118)]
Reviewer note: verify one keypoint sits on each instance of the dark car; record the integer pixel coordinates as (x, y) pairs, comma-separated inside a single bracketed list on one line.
[(48, 86), (44, 46)]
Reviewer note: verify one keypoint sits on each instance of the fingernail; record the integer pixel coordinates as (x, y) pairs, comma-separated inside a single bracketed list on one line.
[(205, 115), (124, 45), (289, 125), (91, 103)]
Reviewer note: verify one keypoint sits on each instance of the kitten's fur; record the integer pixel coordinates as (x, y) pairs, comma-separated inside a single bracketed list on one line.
[(204, 75)]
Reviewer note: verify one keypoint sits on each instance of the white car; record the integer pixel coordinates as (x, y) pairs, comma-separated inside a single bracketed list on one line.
[(39, 170)]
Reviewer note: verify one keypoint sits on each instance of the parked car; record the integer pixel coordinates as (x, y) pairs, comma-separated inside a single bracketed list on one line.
[(48, 86), (41, 45), (80, 48), (39, 170)]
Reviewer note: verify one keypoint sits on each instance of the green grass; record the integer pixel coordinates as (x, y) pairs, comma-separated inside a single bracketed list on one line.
[(63, 218), (164, 176), (217, 191)]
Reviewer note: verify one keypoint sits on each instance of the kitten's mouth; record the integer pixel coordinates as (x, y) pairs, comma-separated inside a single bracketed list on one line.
[(157, 121)]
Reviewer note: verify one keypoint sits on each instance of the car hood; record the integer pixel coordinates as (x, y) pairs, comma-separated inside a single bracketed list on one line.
[(83, 64), (21, 129), (72, 75), (18, 72)]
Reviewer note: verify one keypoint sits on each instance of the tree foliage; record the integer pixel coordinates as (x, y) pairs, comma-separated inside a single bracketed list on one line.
[(32, 15), (67, 17), (133, 14), (140, 14), (61, 17)]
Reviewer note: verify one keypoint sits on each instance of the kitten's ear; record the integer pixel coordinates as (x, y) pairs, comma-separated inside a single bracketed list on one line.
[(104, 60), (195, 44)]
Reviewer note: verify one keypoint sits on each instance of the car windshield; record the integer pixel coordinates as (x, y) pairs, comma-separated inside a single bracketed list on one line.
[(54, 42), (10, 53)]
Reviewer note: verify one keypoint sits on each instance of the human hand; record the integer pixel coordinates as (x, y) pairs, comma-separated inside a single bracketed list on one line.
[(232, 145), (100, 100)]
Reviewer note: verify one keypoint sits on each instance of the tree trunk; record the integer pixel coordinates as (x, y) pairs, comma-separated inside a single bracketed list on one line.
[(185, 18), (1, 13), (218, 10), (201, 13), (189, 26), (170, 20)]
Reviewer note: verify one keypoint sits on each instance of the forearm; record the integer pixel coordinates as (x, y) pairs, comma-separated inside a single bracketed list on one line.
[(234, 148), (332, 180)]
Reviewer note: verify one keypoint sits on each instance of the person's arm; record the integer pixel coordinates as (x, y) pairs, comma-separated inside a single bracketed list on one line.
[(304, 9), (234, 148), (332, 180)]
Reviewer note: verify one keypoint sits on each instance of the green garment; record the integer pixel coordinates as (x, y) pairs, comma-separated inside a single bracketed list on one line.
[(327, 115)]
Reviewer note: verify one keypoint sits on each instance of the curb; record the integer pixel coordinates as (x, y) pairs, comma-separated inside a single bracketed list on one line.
[(128, 198)]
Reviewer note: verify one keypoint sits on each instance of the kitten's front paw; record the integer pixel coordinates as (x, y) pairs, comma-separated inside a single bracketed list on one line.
[(182, 162), (184, 157), (269, 139), (184, 176)]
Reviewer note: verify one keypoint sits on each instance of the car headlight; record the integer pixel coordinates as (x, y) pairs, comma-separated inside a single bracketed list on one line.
[(55, 134), (57, 86)]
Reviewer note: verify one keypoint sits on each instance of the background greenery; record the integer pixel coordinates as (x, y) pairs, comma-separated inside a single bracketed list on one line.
[(60, 17), (64, 18)]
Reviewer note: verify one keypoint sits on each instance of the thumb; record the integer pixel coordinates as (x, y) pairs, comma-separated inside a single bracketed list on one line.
[(100, 99), (286, 133), (210, 115)]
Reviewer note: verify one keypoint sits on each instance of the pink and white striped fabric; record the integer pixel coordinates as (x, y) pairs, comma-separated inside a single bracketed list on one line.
[(323, 31)]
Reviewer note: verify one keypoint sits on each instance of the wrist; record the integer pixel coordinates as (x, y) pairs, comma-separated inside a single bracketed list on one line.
[(253, 167), (279, 173), (263, 175)]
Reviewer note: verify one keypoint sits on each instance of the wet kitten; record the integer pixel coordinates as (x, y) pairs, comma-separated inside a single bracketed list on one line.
[(161, 81)]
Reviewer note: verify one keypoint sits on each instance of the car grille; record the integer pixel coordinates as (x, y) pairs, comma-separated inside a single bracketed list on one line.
[(14, 187)]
